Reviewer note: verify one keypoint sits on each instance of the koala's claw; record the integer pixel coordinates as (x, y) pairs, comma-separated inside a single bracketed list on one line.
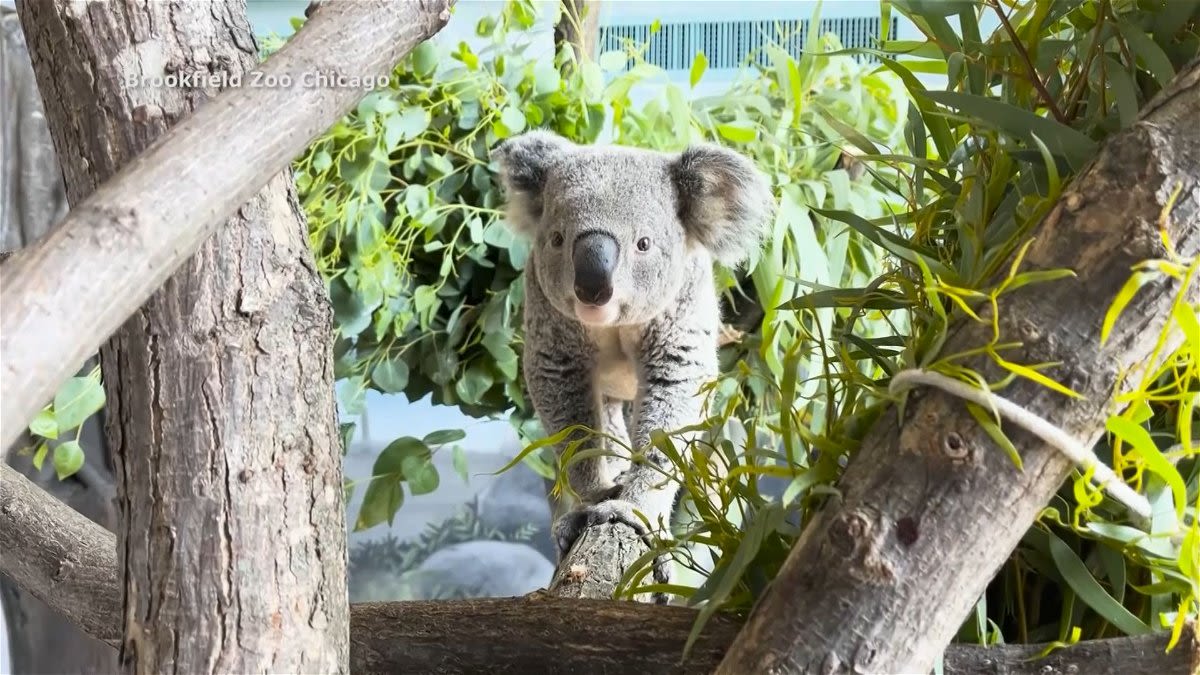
[(570, 527)]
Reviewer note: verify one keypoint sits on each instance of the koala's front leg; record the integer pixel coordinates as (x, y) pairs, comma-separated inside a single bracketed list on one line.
[(560, 384), (675, 360)]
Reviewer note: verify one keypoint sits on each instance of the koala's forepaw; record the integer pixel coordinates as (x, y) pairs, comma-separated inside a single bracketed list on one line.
[(570, 527)]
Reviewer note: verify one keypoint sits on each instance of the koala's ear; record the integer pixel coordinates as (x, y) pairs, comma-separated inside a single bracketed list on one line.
[(524, 163), (725, 203)]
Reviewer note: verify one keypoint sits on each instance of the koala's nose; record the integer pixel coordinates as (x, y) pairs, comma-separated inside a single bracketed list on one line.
[(595, 259)]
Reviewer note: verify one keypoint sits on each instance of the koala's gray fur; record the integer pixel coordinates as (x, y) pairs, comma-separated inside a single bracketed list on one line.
[(654, 342)]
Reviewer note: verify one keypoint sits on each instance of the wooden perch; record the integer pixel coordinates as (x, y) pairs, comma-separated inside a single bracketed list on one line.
[(117, 247), (70, 563), (594, 565), (930, 507)]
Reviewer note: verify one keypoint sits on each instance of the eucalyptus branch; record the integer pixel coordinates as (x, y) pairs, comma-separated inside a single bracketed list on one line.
[(1034, 78)]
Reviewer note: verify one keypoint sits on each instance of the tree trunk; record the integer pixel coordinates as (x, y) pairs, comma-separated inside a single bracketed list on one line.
[(32, 201), (930, 508), (534, 634), (221, 414), (578, 26)]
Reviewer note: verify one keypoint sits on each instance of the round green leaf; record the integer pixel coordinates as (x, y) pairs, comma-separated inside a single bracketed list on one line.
[(611, 62), (44, 425), (545, 78), (424, 59), (68, 458), (420, 474), (513, 119), (405, 125), (391, 375), (78, 399)]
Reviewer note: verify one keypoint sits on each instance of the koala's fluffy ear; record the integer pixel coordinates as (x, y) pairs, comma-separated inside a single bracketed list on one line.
[(725, 203), (524, 162)]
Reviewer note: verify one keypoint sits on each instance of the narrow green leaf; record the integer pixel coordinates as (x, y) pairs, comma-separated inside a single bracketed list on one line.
[(1090, 591), (1073, 146), (1147, 51), (459, 459), (720, 585), (699, 65), (1138, 437), (899, 246), (346, 434), (1031, 374), (1130, 289), (39, 457), (851, 134), (996, 434), (849, 297), (738, 132), (1036, 277), (444, 436), (1123, 90)]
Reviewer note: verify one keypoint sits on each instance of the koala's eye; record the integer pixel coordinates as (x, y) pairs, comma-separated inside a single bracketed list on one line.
[(643, 244), (556, 239)]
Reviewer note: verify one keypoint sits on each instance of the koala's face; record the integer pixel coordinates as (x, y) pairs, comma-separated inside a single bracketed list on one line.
[(614, 229), (609, 247)]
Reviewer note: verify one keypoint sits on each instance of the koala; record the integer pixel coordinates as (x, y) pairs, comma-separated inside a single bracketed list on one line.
[(621, 310)]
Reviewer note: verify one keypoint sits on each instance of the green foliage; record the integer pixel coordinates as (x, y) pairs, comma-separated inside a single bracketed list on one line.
[(406, 460), (979, 165), (403, 204), (76, 400)]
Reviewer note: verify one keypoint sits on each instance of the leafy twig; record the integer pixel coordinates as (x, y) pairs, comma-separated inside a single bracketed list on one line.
[(1033, 74)]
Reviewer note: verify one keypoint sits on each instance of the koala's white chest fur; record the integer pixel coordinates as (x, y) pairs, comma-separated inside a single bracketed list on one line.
[(616, 368)]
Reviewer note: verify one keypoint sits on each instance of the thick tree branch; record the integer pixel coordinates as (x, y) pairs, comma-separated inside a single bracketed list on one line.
[(930, 507), (594, 565), (541, 634), (59, 556), (68, 561), (121, 244)]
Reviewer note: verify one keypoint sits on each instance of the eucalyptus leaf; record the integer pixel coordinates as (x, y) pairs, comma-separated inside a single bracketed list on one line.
[(76, 400), (68, 459)]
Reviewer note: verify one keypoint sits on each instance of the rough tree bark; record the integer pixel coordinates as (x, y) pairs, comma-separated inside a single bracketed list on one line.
[(535, 634), (32, 200), (930, 508), (220, 388), (594, 565)]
